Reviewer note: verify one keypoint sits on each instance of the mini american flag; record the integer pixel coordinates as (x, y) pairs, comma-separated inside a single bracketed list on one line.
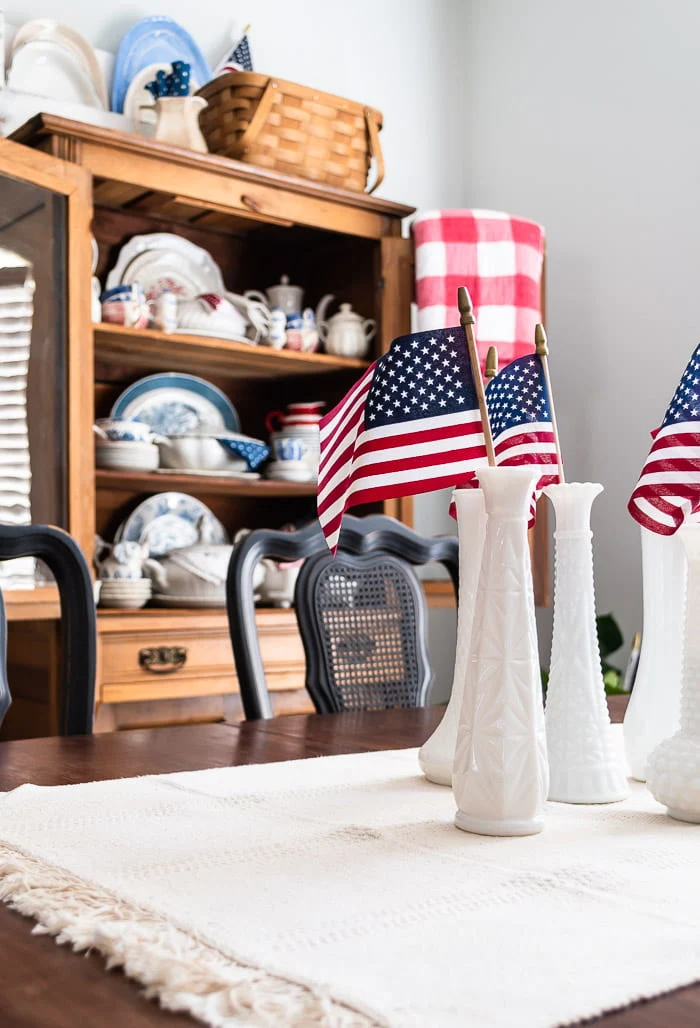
[(240, 58), (521, 422), (410, 425), (668, 489)]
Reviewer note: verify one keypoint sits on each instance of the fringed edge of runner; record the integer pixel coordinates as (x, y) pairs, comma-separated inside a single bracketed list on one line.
[(180, 971)]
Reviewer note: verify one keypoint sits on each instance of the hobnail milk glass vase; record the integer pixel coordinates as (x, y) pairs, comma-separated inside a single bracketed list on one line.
[(653, 711), (673, 768), (500, 775), (437, 755), (583, 766)]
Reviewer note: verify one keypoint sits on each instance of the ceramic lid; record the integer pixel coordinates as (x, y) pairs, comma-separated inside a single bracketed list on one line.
[(346, 315)]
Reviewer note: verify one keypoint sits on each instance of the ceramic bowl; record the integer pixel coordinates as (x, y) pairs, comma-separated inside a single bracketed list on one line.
[(290, 471), (122, 430), (127, 595), (211, 313), (197, 453), (126, 456)]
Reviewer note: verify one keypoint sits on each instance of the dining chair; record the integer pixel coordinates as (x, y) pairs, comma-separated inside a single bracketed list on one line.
[(78, 623), (361, 614)]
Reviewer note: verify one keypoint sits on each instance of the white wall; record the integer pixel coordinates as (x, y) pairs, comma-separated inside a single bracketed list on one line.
[(584, 116)]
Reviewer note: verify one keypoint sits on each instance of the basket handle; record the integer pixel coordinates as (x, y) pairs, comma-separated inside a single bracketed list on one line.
[(375, 147), (258, 119)]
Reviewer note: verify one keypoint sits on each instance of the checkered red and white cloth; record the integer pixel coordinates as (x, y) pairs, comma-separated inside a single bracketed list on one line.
[(498, 258)]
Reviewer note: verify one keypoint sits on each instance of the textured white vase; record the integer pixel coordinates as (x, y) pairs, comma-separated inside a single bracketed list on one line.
[(583, 766), (500, 775), (437, 754), (673, 768), (653, 711)]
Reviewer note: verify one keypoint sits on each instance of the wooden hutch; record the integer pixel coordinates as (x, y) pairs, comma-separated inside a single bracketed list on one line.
[(257, 225)]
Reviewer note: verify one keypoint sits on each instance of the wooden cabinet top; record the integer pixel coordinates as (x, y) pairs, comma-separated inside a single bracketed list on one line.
[(205, 189)]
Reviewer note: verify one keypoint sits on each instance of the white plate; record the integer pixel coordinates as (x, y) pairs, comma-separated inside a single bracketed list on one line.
[(169, 521), (304, 475), (248, 476), (211, 334), (186, 601), (138, 97), (177, 404), (158, 270), (45, 68), (197, 264), (48, 29)]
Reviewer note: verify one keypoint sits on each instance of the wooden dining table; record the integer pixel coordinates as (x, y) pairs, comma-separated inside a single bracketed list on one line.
[(44, 985)]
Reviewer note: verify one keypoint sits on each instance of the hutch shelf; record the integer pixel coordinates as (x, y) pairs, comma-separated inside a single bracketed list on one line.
[(257, 225)]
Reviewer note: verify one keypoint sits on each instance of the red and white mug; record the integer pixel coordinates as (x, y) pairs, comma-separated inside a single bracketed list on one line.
[(298, 415)]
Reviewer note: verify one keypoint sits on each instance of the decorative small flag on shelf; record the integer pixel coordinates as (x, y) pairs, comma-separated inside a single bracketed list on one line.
[(240, 58), (668, 490), (410, 425)]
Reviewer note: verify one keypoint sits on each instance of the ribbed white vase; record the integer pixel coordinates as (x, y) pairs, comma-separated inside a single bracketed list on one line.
[(653, 712), (673, 768), (583, 766), (500, 776), (437, 754)]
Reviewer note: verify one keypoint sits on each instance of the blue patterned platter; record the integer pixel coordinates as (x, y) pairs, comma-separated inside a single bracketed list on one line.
[(171, 521), (154, 40), (175, 404)]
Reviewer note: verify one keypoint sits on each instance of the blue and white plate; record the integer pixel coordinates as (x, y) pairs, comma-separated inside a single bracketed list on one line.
[(171, 521), (154, 40), (175, 404)]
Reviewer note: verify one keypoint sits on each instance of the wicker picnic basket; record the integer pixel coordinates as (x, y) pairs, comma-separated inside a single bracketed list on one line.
[(292, 129)]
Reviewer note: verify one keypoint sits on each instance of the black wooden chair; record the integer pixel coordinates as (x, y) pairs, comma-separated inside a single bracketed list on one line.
[(63, 556), (361, 614)]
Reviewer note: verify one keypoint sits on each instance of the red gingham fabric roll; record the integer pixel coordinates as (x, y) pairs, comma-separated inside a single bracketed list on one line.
[(499, 258)]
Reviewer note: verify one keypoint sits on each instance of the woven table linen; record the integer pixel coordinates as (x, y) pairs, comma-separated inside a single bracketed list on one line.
[(336, 891), (499, 258)]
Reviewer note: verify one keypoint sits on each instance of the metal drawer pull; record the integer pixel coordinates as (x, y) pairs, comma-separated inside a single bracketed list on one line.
[(163, 660), (251, 204)]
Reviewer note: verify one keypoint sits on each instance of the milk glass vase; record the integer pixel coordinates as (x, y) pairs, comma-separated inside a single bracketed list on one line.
[(583, 766), (500, 776), (653, 711), (437, 755), (673, 767)]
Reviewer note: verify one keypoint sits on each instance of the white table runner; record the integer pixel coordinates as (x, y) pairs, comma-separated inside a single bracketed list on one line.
[(336, 891)]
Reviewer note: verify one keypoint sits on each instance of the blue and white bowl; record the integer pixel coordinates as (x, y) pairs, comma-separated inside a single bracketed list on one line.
[(123, 431)]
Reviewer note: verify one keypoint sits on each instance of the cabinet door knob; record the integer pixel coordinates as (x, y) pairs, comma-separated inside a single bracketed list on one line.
[(163, 660)]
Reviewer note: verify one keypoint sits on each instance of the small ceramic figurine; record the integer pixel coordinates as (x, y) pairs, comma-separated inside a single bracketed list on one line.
[(127, 561), (309, 332), (277, 335)]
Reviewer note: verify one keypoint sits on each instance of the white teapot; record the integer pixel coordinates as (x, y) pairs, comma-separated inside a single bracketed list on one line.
[(346, 334)]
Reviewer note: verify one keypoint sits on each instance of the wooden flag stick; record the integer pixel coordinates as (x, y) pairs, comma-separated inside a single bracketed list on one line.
[(492, 362), (542, 351), (466, 320)]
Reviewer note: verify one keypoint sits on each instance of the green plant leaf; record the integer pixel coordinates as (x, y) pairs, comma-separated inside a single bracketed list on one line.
[(613, 680), (609, 634)]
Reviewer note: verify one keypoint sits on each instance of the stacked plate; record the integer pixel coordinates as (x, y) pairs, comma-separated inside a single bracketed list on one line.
[(161, 260), (126, 593), (49, 59), (126, 456)]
